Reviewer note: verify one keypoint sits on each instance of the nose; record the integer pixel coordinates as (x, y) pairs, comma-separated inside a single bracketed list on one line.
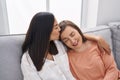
[(72, 40)]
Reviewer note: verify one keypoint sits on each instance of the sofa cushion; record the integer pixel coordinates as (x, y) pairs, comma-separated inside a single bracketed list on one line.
[(116, 42), (10, 55)]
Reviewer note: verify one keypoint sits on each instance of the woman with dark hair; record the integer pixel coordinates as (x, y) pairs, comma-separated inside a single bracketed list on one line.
[(44, 57), (86, 59), (41, 59)]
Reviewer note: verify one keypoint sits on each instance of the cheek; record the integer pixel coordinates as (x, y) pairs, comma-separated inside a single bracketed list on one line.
[(56, 33), (68, 44), (80, 38), (80, 41)]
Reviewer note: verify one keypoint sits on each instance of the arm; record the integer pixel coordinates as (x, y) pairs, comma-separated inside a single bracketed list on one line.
[(111, 71), (102, 44)]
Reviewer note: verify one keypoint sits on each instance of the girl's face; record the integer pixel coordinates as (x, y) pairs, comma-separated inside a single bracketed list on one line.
[(55, 32), (71, 38)]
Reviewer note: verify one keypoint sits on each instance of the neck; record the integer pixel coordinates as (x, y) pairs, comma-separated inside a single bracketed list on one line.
[(83, 47), (50, 57)]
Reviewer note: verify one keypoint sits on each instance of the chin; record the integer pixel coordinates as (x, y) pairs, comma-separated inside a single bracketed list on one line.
[(56, 39)]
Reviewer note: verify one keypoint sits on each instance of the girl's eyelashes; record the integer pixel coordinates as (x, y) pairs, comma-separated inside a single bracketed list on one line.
[(65, 40), (72, 34)]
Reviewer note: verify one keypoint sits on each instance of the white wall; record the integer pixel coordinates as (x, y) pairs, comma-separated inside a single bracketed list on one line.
[(92, 13), (108, 11), (4, 29), (20, 13), (89, 13), (100, 12)]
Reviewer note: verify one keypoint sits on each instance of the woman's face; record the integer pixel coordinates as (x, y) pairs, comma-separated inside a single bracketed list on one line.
[(71, 38), (55, 32)]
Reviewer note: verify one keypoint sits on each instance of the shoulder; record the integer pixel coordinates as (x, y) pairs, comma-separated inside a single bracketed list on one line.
[(96, 47), (26, 60), (61, 48), (93, 46)]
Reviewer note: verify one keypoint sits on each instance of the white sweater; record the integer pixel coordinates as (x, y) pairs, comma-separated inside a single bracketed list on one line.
[(52, 70)]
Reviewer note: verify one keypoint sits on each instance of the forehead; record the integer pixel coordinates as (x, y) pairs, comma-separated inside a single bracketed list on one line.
[(67, 31), (69, 28)]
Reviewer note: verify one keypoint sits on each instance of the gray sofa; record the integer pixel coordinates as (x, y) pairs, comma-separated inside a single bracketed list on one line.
[(10, 50)]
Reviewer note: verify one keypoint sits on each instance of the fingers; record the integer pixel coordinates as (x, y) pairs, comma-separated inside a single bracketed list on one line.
[(104, 46), (108, 51), (100, 48)]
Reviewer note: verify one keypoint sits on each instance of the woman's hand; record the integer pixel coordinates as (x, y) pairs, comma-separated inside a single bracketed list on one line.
[(102, 44)]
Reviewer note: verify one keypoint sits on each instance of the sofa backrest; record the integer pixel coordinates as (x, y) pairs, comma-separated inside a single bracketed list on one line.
[(115, 30), (10, 55)]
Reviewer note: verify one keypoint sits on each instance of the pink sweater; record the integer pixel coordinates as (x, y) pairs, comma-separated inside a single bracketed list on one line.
[(91, 64)]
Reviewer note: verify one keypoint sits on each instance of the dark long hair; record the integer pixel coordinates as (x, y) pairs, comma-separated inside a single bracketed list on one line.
[(63, 24), (37, 40)]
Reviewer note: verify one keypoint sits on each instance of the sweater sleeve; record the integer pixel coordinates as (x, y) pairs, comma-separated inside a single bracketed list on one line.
[(110, 66)]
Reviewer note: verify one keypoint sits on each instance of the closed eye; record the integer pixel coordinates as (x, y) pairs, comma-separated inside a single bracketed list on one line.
[(65, 40), (56, 25), (72, 34)]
